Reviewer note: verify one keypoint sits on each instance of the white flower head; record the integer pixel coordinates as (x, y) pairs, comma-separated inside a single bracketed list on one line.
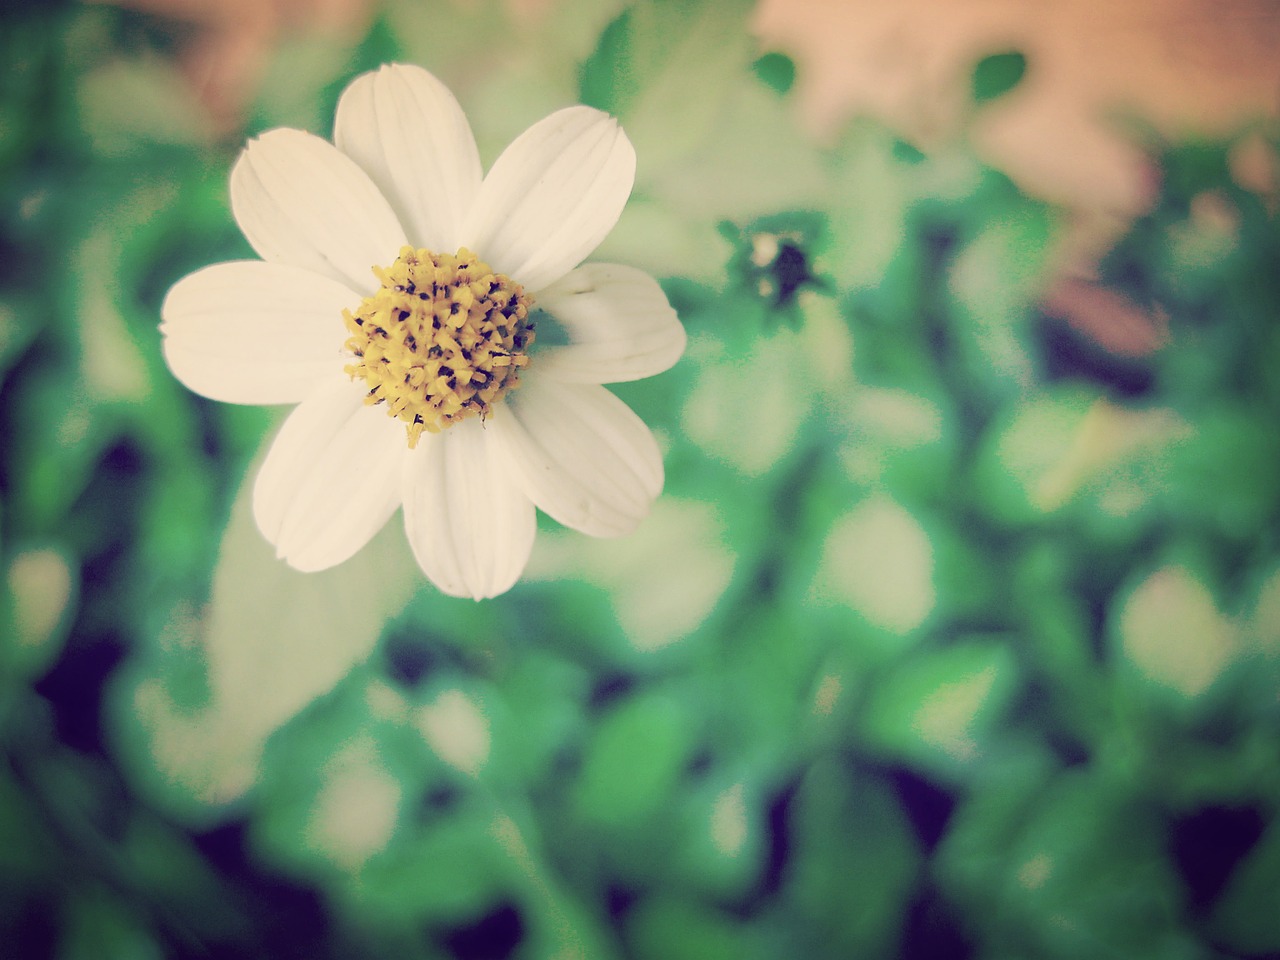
[(432, 323)]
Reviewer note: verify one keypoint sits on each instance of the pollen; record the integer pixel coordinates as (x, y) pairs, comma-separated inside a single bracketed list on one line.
[(442, 339)]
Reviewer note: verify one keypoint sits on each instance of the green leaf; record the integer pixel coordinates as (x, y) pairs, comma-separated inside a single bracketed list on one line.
[(996, 75), (1027, 465), (974, 856), (97, 926), (678, 76), (452, 870), (879, 562), (1084, 834), (996, 281), (273, 640), (853, 864), (651, 57), (28, 851), (1170, 629), (678, 554), (633, 760), (1228, 473), (41, 587), (1245, 917), (15, 335), (772, 387), (867, 203), (665, 928), (722, 836), (603, 81), (941, 708), (776, 70), (897, 439)]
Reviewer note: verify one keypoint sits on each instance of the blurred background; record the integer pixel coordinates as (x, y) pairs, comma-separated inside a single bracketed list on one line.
[(956, 632)]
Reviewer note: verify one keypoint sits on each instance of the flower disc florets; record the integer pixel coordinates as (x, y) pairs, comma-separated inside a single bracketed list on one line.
[(442, 339)]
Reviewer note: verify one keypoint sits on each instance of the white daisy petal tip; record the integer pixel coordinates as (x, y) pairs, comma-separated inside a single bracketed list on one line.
[(212, 318), (300, 201), (609, 324), (330, 479), (469, 524), (582, 455), (406, 130), (552, 196), (367, 243)]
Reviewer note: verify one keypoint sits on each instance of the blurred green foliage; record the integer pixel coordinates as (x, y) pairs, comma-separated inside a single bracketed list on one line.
[(955, 633)]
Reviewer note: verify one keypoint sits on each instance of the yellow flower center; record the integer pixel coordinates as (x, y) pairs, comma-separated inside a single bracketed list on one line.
[(442, 339)]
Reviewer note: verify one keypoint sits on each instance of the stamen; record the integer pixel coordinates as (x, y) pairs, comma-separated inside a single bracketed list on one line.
[(442, 339)]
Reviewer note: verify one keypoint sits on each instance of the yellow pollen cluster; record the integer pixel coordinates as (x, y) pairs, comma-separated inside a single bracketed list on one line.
[(443, 338)]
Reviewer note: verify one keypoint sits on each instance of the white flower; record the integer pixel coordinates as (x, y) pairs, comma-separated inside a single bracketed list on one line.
[(397, 303)]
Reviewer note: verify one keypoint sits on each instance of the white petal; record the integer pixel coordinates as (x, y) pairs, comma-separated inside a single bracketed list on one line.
[(300, 200), (607, 324), (254, 332), (581, 454), (406, 130), (469, 523), (552, 196), (331, 478)]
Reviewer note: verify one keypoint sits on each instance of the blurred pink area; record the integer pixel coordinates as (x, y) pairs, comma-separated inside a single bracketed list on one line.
[(1067, 133), (1114, 322), (231, 41), (1184, 66)]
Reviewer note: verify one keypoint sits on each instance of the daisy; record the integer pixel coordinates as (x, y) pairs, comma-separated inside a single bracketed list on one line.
[(432, 323)]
